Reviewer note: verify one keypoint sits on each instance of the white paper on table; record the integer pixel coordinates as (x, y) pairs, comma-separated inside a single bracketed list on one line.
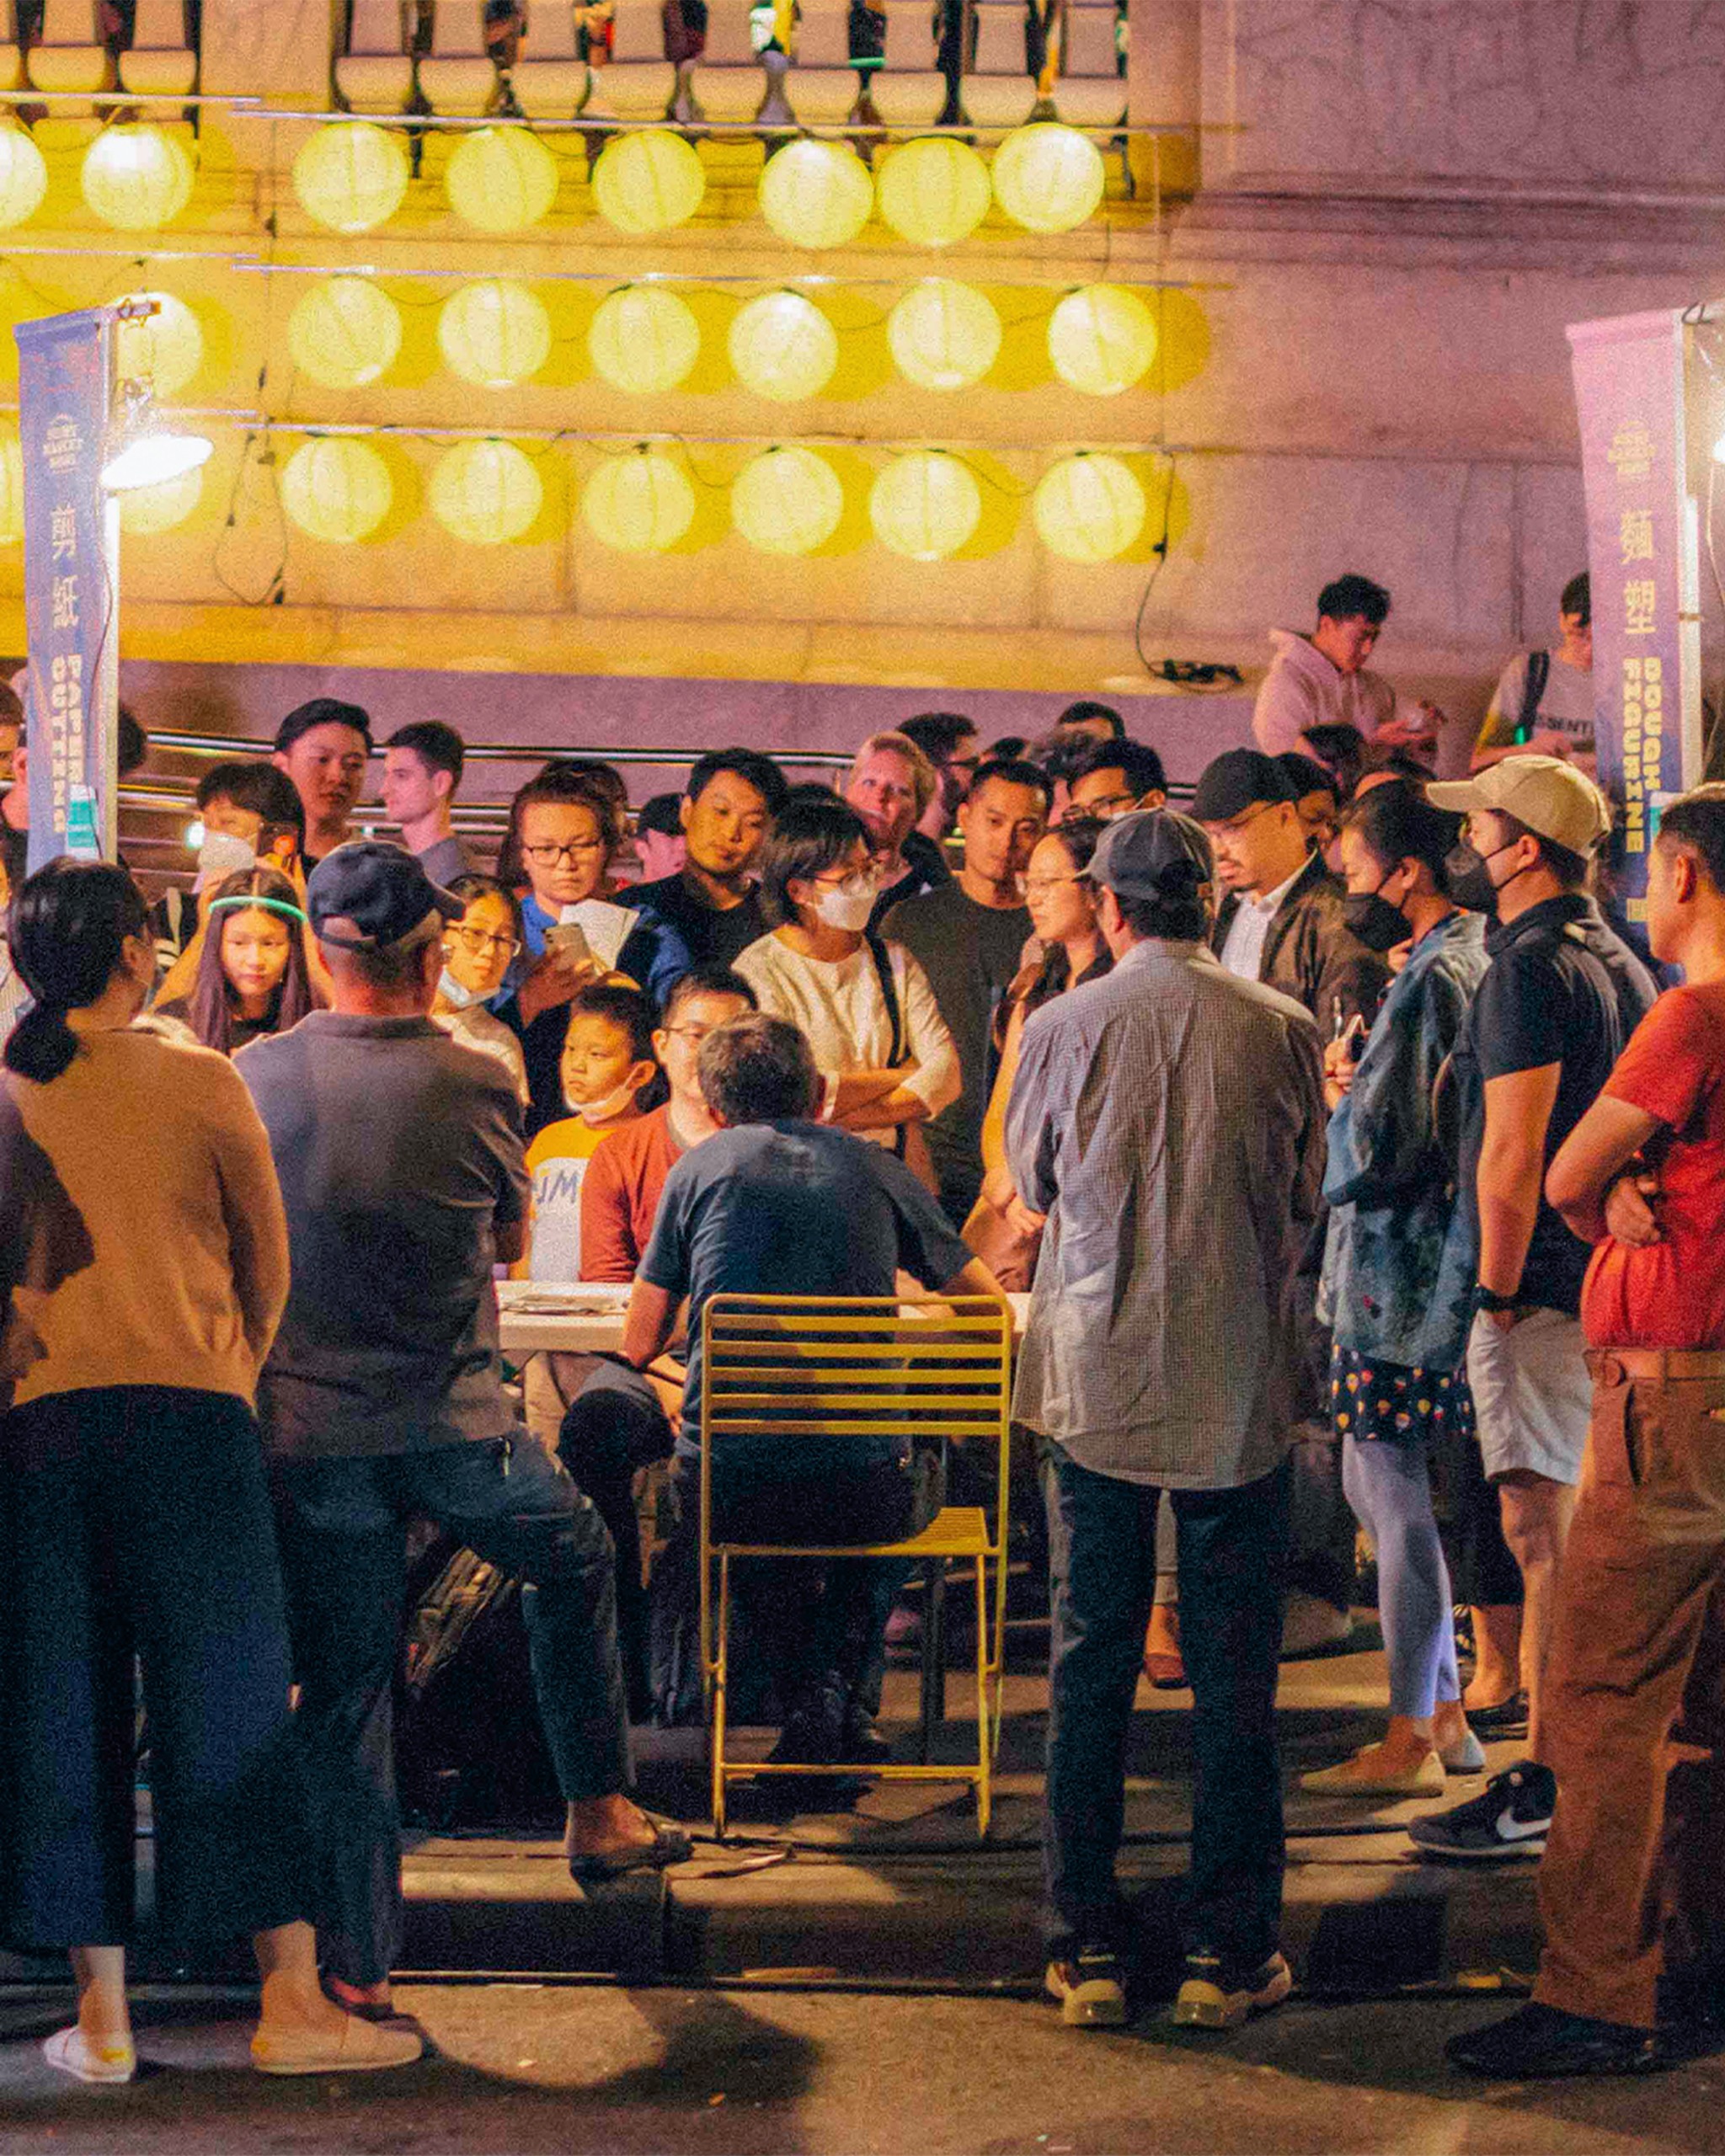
[(606, 927)]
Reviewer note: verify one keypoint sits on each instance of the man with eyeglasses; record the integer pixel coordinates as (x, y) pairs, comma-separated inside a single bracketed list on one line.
[(1282, 924), (1114, 778)]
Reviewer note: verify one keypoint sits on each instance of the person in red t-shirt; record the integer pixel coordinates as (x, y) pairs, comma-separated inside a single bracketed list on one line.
[(616, 1420), (1630, 1887)]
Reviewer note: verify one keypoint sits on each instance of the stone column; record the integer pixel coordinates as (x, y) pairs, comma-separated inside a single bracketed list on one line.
[(1164, 86)]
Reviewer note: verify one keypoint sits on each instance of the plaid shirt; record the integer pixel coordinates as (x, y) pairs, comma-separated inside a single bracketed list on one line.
[(1169, 1119)]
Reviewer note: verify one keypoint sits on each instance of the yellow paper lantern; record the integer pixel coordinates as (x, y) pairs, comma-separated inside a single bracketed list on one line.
[(24, 176), (816, 194), (925, 505), (1088, 508), (787, 501), (494, 334), (638, 504), (943, 335), (784, 347), (345, 333), (11, 489), (648, 182), (165, 349), (350, 176), (501, 180), (485, 493), (933, 192), (643, 339), (136, 178), (145, 510), (1048, 178), (1101, 339), (336, 489)]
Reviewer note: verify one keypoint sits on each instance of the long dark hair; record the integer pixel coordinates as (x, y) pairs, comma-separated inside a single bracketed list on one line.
[(1395, 822), (1080, 836), (210, 1007), (69, 926)]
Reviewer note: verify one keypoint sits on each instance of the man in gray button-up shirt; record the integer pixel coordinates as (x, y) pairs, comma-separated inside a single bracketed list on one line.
[(1169, 1122)]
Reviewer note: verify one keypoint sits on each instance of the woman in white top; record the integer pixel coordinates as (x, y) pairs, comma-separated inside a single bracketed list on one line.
[(879, 1041), (478, 951)]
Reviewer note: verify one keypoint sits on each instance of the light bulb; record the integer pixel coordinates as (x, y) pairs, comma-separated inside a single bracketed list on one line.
[(149, 459)]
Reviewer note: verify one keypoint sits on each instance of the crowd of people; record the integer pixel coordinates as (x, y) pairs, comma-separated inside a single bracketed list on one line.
[(1362, 1183)]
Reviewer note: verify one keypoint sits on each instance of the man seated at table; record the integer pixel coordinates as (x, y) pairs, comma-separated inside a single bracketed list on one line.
[(779, 1204)]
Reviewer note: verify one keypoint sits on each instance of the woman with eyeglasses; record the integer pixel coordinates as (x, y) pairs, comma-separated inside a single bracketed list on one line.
[(478, 951), (885, 1051), (564, 828)]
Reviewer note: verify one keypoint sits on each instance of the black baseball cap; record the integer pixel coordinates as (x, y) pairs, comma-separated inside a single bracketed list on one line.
[(370, 896), (1304, 775), (1155, 853), (1232, 781)]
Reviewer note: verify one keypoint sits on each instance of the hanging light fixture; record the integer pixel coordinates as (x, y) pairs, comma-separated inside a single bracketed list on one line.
[(141, 454)]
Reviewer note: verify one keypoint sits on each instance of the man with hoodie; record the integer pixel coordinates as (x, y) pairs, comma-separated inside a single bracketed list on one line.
[(1322, 680)]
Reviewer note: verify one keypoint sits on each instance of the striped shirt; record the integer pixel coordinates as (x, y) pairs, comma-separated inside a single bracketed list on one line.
[(1169, 1120)]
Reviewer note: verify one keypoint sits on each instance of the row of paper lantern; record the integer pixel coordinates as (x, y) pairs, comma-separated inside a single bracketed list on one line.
[(925, 505), (345, 333), (933, 191)]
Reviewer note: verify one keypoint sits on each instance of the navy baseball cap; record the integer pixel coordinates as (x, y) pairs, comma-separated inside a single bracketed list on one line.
[(1156, 853), (370, 896), (1234, 781)]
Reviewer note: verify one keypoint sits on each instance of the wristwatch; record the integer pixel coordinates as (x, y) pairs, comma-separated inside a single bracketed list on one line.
[(1488, 1299)]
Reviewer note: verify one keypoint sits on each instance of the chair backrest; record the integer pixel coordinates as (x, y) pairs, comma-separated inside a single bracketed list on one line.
[(802, 1368)]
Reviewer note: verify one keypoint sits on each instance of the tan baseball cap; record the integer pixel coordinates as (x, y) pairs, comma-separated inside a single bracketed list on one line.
[(1551, 797)]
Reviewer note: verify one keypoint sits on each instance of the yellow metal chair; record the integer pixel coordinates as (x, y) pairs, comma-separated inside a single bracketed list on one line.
[(801, 1369)]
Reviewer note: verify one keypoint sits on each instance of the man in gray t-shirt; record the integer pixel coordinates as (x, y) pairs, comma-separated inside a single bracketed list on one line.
[(399, 1156)]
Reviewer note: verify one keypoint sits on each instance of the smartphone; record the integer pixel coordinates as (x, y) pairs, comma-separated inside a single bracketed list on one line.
[(1353, 1037), (568, 939)]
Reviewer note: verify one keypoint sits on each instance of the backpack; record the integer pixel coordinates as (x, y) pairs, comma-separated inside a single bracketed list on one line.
[(908, 1144)]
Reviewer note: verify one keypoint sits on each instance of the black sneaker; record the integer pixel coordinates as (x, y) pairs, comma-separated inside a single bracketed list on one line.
[(1215, 1993), (1509, 1718), (1511, 1819), (1542, 2043), (1091, 1986)]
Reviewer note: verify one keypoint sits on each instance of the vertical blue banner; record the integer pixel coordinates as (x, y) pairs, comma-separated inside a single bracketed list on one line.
[(1629, 385), (71, 583)]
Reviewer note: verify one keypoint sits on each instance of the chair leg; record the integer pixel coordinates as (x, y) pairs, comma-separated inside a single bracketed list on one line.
[(984, 1725), (934, 1654), (720, 1674)]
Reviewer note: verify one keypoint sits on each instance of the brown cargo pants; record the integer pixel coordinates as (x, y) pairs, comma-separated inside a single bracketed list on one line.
[(1632, 1886)]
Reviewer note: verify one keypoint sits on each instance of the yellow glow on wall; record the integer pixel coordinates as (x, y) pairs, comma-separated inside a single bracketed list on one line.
[(501, 180), (787, 501), (638, 504), (816, 194), (345, 332), (24, 176), (485, 493), (336, 489), (943, 335), (782, 346), (1048, 178), (644, 340), (925, 505), (350, 176), (136, 178), (648, 182), (933, 191), (1101, 339), (11, 488), (1088, 508), (494, 333), (165, 349)]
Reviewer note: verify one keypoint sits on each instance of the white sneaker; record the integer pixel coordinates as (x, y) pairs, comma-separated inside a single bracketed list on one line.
[(1309, 1623)]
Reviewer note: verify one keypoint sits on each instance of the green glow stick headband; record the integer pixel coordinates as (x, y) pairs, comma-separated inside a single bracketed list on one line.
[(246, 901)]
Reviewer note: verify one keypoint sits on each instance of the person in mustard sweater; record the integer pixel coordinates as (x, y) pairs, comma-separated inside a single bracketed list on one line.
[(143, 1270)]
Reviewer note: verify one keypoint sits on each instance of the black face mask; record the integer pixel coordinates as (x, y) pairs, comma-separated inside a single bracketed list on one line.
[(1379, 925), (1467, 880)]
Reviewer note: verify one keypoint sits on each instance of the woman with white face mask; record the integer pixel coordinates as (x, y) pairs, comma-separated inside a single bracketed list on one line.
[(882, 1046), (478, 951)]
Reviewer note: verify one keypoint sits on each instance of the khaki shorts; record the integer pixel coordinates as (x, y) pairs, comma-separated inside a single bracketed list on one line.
[(1532, 1396)]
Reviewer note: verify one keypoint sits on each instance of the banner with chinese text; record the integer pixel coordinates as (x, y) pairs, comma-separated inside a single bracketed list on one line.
[(1629, 380), (72, 585)]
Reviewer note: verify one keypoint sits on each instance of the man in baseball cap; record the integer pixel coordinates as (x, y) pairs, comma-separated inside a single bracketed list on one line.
[(1562, 995), (368, 895), (1168, 1120)]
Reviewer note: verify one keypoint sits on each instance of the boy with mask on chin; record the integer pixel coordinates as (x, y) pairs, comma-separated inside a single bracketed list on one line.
[(1561, 996)]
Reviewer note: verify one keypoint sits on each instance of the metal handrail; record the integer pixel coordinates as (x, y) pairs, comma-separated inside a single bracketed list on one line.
[(503, 752)]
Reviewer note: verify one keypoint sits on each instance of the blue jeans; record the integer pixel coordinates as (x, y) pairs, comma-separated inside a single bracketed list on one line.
[(344, 1529), (1232, 1544)]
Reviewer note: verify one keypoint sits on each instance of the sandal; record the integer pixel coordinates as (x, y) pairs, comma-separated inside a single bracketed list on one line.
[(670, 1845), (69, 2051)]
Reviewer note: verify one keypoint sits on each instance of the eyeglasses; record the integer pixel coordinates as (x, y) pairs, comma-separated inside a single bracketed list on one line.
[(695, 1033), (478, 942), (548, 857), (1105, 805), (1239, 823), (1037, 887)]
